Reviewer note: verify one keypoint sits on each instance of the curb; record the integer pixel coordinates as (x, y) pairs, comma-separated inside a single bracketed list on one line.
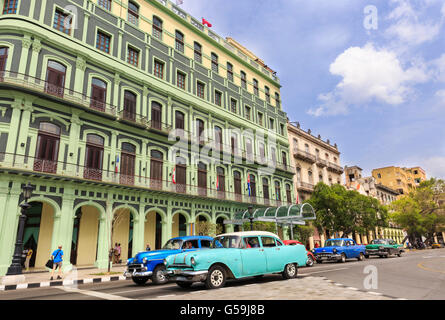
[(361, 290), (60, 283)]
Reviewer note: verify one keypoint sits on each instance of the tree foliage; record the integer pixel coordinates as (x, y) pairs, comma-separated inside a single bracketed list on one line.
[(422, 211), (347, 211)]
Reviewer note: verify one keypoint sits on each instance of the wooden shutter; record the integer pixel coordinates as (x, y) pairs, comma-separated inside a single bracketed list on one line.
[(156, 116)]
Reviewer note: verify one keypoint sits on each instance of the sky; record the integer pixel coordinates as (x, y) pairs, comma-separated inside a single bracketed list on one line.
[(368, 75)]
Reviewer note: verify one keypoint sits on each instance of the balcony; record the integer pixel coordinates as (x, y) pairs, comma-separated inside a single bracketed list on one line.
[(321, 162), (305, 187), (334, 168), (133, 118), (160, 126), (304, 155), (36, 85)]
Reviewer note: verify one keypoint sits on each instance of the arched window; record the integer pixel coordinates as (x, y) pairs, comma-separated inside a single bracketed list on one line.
[(243, 80), (220, 182), (298, 174), (94, 157), (156, 164), (133, 12), (156, 115), (98, 94), (252, 187), (3, 58), (157, 28), (179, 120), (218, 138), (198, 52), (179, 41), (266, 190), (181, 175), (55, 78), (202, 179), (200, 131), (127, 167), (215, 63), (278, 190), (129, 106), (47, 151), (229, 71)]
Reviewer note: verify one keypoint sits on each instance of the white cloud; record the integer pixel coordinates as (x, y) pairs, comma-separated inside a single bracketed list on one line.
[(368, 74)]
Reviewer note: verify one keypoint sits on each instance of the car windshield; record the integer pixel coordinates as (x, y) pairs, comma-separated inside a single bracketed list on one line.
[(173, 244), (333, 243), (226, 242), (378, 241)]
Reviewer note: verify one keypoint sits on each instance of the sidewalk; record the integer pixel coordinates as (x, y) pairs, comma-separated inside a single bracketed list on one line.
[(41, 278)]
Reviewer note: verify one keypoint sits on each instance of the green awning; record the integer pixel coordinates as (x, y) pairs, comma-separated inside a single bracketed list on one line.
[(293, 214)]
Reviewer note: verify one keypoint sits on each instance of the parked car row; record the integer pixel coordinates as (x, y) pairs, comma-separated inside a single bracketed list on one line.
[(186, 260), (341, 249)]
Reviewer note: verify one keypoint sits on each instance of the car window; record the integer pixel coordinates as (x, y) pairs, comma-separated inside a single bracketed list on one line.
[(226, 242), (173, 244), (268, 242), (206, 243), (279, 243), (333, 243), (251, 242), (190, 244)]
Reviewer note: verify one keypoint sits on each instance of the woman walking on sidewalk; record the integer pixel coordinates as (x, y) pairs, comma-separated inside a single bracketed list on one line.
[(57, 256)]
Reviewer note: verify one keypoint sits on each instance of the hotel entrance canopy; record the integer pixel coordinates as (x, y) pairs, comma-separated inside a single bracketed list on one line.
[(293, 214)]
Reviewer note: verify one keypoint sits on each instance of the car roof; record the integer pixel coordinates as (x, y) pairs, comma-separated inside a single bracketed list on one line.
[(192, 238), (250, 233), (340, 239)]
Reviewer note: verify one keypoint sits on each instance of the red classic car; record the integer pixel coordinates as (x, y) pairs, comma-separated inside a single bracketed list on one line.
[(310, 257)]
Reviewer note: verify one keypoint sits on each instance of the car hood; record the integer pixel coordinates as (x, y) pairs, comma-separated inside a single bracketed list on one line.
[(201, 255), (325, 249), (153, 255)]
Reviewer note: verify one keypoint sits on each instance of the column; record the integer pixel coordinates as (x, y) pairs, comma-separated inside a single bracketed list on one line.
[(24, 128), (26, 44), (322, 239), (168, 225), (311, 243), (63, 227), (104, 240), (357, 238), (10, 223), (79, 76), (138, 231), (74, 137), (36, 47), (13, 132), (116, 87)]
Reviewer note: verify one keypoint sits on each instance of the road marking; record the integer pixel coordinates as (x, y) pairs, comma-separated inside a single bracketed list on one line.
[(375, 293), (352, 288), (421, 266), (162, 297), (309, 273), (96, 294)]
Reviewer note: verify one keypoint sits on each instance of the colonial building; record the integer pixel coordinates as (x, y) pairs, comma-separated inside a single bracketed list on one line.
[(95, 96), (314, 161), (401, 179)]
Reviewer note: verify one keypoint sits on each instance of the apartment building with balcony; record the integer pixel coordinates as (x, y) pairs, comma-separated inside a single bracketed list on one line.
[(97, 95), (314, 161), (401, 179)]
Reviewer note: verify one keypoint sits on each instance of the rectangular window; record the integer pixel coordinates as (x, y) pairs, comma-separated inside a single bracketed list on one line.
[(158, 69), (255, 87), (267, 92), (277, 99), (271, 124), (233, 105), (133, 57), (157, 28), (10, 6), (243, 80), (180, 79), (218, 100), (103, 42), (133, 13), (229, 71), (62, 21), (247, 112), (106, 4), (200, 90), (260, 118), (215, 63), (179, 42), (198, 52)]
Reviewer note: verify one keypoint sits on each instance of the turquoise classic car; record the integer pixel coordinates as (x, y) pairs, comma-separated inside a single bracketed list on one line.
[(234, 256)]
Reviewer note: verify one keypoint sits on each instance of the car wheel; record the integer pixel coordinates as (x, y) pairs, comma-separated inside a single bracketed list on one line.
[(184, 284), (343, 258), (319, 261), (140, 281), (366, 256), (158, 277), (290, 271), (360, 257), (216, 278), (310, 261), (399, 254)]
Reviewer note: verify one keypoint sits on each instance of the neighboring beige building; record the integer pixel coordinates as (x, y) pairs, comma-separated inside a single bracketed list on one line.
[(401, 179), (314, 160)]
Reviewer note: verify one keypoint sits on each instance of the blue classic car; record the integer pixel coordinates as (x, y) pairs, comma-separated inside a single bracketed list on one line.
[(339, 250), (234, 256), (149, 264)]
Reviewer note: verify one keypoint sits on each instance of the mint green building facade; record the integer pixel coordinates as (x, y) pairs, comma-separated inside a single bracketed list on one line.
[(92, 131)]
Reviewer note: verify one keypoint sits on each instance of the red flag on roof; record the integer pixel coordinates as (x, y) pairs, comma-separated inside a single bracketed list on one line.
[(208, 24)]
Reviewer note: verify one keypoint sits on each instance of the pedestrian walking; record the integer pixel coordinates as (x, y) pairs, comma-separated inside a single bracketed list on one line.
[(119, 250), (57, 257), (28, 258), (115, 254)]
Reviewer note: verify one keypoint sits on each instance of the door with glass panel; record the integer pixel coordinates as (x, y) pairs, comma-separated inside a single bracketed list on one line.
[(55, 78), (94, 157), (47, 151), (128, 159)]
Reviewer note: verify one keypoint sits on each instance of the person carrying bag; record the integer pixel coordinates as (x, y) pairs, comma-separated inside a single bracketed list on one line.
[(56, 262)]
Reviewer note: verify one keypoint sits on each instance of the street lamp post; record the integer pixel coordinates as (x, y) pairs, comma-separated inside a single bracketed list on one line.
[(250, 210), (16, 265)]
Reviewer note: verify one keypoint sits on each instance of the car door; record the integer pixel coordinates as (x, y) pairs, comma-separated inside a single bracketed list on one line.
[(274, 261), (349, 249), (253, 257)]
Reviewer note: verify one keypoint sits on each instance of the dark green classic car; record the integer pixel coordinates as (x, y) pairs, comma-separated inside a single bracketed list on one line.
[(383, 248)]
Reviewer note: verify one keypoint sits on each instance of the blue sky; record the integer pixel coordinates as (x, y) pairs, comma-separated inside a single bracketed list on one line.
[(378, 93)]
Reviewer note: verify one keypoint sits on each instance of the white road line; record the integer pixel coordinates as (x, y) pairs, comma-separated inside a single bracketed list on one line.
[(329, 270), (375, 293), (166, 296), (96, 294), (352, 288)]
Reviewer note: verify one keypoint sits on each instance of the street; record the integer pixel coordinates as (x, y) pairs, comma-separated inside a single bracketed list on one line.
[(415, 275)]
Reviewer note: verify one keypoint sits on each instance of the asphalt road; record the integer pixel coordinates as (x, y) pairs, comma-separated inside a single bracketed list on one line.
[(415, 275)]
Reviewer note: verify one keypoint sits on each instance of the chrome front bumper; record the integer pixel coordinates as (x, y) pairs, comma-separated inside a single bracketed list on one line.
[(328, 256), (186, 275), (137, 270)]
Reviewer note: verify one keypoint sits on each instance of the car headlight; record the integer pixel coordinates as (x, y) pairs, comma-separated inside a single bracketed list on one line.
[(165, 262), (334, 250), (144, 260), (193, 261), (313, 250)]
